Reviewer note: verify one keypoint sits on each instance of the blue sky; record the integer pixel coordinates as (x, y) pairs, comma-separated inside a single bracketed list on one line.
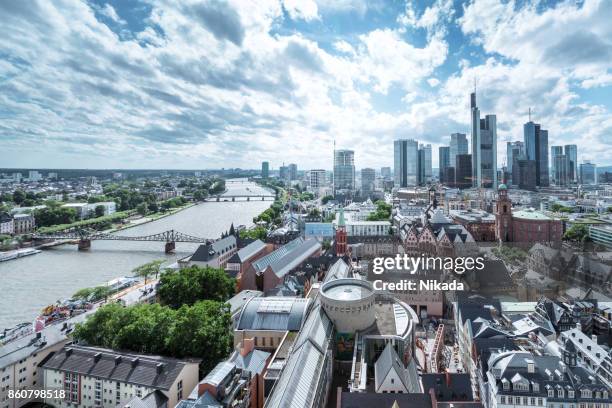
[(209, 84)]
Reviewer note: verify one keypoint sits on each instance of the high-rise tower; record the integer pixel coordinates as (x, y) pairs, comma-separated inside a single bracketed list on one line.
[(484, 147)]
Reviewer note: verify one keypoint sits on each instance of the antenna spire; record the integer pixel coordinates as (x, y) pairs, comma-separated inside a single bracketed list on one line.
[(530, 114)]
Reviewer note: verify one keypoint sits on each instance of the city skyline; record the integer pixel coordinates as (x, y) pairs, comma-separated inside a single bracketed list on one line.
[(127, 87)]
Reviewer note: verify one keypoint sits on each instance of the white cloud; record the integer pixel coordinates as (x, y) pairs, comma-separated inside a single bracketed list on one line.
[(302, 9)]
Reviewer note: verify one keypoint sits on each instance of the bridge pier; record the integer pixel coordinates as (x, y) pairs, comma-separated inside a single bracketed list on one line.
[(170, 247), (248, 198), (233, 198), (217, 199), (263, 198), (84, 244)]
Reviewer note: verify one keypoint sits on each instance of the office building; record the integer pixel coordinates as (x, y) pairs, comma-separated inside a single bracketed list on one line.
[(484, 148), (317, 179), (283, 172), (463, 171), (443, 161), (536, 148), (424, 165), (406, 162), (513, 152), (588, 173), (526, 174), (344, 172), (368, 179), (571, 151), (560, 166), (265, 169), (293, 171), (385, 172), (458, 145)]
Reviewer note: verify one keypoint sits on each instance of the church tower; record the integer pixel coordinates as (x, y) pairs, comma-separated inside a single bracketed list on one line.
[(341, 235), (503, 215)]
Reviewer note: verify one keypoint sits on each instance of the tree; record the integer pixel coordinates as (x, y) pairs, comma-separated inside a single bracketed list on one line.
[(18, 196), (46, 217), (254, 233), (142, 208), (577, 233), (99, 211), (83, 294), (382, 213), (189, 285), (148, 269), (198, 331), (326, 199)]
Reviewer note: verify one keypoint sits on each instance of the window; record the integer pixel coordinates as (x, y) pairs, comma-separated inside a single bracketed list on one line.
[(502, 399), (179, 394), (551, 393)]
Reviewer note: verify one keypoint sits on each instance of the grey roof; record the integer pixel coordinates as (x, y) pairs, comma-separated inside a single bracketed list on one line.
[(300, 379), (218, 374), (206, 252), (273, 313), (248, 251), (287, 257), (254, 362), (205, 401), (387, 361), (373, 399), (148, 371), (338, 270), (238, 300)]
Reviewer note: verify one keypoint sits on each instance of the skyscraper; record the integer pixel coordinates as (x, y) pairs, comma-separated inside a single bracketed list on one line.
[(368, 179), (293, 171), (443, 161), (344, 172), (406, 162), (385, 172), (571, 151), (560, 166), (526, 173), (424, 165), (265, 169), (536, 147), (283, 172), (463, 171), (513, 149), (458, 145), (588, 173), (484, 147)]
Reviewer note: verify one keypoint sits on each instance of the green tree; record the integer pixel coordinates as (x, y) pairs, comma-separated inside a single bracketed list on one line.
[(152, 268), (189, 285), (382, 213), (577, 233), (254, 233), (99, 211), (326, 199), (83, 294), (142, 208), (19, 196)]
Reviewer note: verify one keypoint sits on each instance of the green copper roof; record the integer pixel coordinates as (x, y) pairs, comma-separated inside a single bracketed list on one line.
[(531, 215), (502, 186), (341, 222)]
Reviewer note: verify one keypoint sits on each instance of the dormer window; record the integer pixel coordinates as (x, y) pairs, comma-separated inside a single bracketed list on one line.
[(506, 384), (551, 393), (570, 394), (560, 393)]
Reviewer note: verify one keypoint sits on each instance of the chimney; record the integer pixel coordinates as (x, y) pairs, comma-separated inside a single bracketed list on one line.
[(247, 346), (135, 362), (97, 357), (594, 338), (160, 368), (447, 378), (68, 351), (117, 360)]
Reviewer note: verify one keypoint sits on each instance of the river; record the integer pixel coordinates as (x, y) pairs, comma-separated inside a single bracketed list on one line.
[(30, 283)]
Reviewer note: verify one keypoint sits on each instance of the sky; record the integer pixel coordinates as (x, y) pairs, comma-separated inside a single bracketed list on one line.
[(209, 84)]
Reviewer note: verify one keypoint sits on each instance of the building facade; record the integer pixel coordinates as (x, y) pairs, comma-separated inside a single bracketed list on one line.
[(484, 147), (344, 172), (406, 162)]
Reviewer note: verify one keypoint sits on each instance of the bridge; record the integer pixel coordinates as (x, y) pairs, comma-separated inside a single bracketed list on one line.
[(233, 197), (85, 236)]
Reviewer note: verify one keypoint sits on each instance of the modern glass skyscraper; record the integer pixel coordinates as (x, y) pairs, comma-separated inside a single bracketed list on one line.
[(458, 145), (513, 149), (443, 161), (536, 147), (293, 171), (425, 165), (588, 173), (265, 169), (571, 151), (484, 147), (344, 171), (406, 162), (558, 166)]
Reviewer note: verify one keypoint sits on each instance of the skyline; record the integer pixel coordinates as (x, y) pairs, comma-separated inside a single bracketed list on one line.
[(210, 85)]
